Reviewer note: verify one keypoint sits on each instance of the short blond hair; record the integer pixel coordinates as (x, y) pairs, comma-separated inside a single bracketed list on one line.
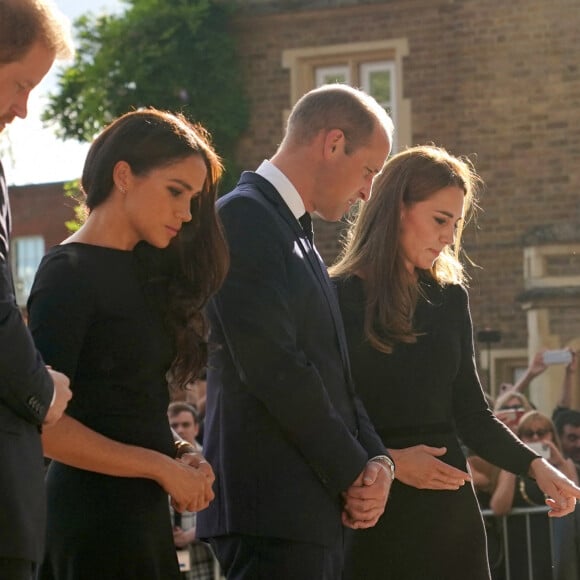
[(23, 23)]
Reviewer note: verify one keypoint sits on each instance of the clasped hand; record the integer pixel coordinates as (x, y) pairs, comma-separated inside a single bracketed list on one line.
[(190, 487), (365, 499)]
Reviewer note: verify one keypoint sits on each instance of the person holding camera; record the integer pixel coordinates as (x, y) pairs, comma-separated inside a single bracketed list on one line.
[(539, 363), (538, 432)]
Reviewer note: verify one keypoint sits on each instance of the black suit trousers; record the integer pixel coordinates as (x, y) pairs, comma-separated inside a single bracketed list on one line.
[(244, 557)]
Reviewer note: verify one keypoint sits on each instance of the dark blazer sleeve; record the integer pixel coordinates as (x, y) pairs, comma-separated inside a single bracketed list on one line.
[(264, 327), (25, 386)]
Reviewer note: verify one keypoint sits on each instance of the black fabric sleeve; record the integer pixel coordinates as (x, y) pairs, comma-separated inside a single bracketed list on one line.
[(59, 310), (477, 426)]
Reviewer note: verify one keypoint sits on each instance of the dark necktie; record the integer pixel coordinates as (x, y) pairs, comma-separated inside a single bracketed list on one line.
[(306, 223)]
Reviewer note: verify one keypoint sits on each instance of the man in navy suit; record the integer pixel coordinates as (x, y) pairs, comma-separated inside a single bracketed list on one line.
[(31, 37), (293, 450)]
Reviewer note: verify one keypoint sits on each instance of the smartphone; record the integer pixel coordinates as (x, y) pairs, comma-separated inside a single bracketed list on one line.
[(540, 448), (557, 357)]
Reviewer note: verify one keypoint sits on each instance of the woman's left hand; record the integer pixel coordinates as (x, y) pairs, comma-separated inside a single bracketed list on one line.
[(561, 491), (197, 460)]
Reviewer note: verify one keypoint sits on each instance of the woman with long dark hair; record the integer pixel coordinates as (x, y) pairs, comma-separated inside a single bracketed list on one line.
[(118, 308)]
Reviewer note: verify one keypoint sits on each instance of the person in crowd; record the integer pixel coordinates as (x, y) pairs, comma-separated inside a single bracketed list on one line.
[(195, 557), (567, 536), (195, 395), (290, 444), (510, 407), (568, 426), (118, 307), (536, 367), (407, 320), (511, 491), (32, 35)]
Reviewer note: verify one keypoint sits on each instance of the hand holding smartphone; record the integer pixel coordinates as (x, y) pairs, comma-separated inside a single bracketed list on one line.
[(557, 357)]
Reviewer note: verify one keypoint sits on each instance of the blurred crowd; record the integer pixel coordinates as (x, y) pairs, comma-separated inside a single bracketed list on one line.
[(556, 438)]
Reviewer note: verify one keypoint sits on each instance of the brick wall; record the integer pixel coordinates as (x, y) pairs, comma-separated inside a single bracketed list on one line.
[(41, 210)]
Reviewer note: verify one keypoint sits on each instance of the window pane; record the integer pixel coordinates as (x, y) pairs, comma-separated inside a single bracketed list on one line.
[(27, 253), (377, 79), (380, 85), (331, 74)]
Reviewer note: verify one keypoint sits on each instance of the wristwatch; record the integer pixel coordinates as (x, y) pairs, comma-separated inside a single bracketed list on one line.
[(388, 462)]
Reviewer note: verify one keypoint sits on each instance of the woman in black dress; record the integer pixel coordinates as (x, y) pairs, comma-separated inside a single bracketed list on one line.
[(117, 307), (408, 325)]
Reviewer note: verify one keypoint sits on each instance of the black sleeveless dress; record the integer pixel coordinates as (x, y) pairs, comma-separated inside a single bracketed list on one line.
[(429, 393), (95, 317)]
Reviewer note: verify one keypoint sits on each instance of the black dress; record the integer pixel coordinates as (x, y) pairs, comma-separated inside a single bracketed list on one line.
[(429, 393), (94, 317)]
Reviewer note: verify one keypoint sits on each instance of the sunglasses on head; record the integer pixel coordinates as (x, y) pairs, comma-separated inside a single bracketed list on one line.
[(529, 433)]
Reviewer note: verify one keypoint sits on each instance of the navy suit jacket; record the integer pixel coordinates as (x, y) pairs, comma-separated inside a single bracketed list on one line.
[(26, 391), (284, 429)]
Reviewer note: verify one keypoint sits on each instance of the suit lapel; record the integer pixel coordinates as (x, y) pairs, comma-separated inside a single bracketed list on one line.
[(316, 263)]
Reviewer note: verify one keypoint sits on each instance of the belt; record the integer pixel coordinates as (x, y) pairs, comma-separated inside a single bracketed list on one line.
[(415, 430)]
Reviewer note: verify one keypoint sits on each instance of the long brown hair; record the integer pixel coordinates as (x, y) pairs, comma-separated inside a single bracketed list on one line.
[(372, 244), (194, 266)]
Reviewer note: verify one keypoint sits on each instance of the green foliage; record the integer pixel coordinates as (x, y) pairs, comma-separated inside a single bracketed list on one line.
[(72, 189), (176, 55)]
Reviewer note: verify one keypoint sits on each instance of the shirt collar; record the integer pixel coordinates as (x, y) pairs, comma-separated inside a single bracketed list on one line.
[(284, 186)]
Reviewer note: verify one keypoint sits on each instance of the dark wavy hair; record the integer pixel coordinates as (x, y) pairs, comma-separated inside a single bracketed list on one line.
[(194, 265)]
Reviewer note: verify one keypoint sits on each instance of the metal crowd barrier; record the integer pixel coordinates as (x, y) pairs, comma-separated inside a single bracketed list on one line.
[(525, 513)]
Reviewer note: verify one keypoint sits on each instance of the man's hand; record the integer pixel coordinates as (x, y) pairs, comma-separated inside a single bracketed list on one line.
[(365, 499), (62, 395)]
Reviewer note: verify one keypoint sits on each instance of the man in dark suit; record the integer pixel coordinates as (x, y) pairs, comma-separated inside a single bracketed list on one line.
[(294, 453), (30, 394)]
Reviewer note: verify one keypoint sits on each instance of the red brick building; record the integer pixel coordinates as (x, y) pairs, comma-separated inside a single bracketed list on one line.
[(497, 81), (39, 214)]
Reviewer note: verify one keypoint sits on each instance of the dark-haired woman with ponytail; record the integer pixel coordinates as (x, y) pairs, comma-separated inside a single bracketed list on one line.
[(118, 308)]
